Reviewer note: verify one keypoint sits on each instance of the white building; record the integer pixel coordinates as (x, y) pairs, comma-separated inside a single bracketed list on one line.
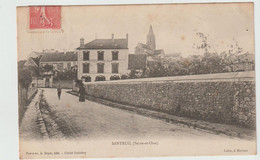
[(103, 57)]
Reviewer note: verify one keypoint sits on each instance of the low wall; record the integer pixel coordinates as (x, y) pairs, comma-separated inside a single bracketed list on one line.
[(227, 98), (26, 94), (24, 98)]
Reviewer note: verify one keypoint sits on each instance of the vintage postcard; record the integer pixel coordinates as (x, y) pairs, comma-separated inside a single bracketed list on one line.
[(136, 80)]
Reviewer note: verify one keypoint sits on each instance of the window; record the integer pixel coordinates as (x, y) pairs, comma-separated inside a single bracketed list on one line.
[(85, 67), (114, 67), (86, 55), (115, 55), (100, 55), (68, 65), (100, 67)]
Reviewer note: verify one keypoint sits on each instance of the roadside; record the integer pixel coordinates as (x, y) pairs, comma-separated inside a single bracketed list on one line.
[(23, 107), (40, 122), (229, 130), (66, 84), (29, 128)]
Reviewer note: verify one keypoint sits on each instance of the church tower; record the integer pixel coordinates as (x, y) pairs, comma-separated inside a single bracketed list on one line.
[(151, 39)]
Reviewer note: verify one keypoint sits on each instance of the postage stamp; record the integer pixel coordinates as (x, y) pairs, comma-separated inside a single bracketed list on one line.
[(45, 17)]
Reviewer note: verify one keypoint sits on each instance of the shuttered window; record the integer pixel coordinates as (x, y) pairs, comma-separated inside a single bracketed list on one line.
[(115, 67), (100, 55), (86, 55), (115, 55), (85, 67), (100, 67)]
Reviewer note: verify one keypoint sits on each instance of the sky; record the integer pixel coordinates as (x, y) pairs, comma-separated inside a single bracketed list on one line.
[(174, 25)]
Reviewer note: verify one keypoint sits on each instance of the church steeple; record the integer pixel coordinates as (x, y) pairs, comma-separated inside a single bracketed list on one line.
[(151, 39)]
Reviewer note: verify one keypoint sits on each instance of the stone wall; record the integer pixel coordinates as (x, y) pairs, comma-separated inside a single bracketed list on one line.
[(227, 98)]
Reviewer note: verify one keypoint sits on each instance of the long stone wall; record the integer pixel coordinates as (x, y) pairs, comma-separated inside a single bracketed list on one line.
[(227, 98)]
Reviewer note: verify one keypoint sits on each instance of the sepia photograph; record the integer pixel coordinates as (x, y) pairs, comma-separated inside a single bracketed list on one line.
[(150, 80)]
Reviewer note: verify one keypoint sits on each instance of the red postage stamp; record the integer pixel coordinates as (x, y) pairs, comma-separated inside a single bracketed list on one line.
[(45, 17)]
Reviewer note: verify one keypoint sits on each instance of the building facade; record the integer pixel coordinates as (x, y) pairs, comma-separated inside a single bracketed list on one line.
[(103, 57), (60, 61)]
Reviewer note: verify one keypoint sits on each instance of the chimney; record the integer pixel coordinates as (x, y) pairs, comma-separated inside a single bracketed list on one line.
[(81, 42), (112, 36), (127, 39)]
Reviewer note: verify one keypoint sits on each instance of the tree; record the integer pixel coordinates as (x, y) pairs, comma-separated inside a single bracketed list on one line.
[(24, 78), (46, 68), (204, 43), (211, 61), (232, 55), (21, 64), (34, 71), (156, 70), (196, 65), (66, 75), (235, 49), (24, 75)]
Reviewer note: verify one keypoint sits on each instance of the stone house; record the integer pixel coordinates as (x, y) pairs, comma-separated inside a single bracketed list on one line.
[(103, 57), (60, 60)]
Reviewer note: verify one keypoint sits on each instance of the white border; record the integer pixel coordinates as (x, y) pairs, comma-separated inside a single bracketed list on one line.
[(8, 50)]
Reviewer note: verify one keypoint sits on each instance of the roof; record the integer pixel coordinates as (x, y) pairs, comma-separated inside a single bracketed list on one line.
[(137, 61), (35, 54), (30, 62), (173, 54), (59, 56), (159, 51), (36, 60), (106, 44), (145, 46), (151, 30)]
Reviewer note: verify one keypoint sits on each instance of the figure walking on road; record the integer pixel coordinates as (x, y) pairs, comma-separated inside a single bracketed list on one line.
[(82, 93), (59, 92)]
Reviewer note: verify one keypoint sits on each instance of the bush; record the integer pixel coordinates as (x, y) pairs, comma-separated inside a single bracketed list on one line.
[(87, 78), (66, 75), (114, 77), (124, 76), (78, 82), (132, 74), (100, 78)]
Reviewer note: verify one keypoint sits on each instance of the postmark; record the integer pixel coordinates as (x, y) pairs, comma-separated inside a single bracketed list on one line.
[(45, 17)]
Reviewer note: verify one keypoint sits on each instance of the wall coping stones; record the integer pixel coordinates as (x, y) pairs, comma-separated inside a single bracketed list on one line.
[(218, 77)]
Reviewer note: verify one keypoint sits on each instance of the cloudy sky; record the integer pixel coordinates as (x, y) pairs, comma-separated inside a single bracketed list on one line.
[(174, 25)]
